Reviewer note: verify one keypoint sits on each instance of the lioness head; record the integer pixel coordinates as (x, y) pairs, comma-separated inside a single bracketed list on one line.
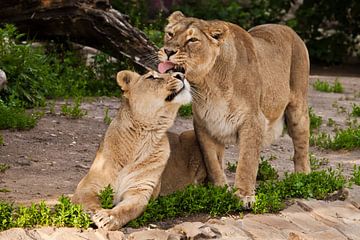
[(154, 95), (191, 45)]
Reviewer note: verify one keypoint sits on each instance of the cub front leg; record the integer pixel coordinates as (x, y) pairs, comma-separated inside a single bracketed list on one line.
[(250, 141), (213, 154)]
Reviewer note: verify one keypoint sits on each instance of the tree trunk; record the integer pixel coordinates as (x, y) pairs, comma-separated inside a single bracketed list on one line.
[(88, 22)]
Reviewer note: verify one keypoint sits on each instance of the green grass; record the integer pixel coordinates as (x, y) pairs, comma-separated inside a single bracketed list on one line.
[(356, 175), (265, 171), (355, 110), (316, 163), (106, 197), (3, 167), (315, 120), (16, 118), (64, 214), (348, 139), (185, 110), (73, 111), (107, 118), (323, 86)]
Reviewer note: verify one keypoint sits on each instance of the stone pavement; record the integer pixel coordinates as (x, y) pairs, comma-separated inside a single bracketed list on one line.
[(304, 220)]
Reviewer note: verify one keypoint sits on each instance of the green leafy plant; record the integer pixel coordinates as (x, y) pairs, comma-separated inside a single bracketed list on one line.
[(355, 110), (3, 167), (194, 199), (231, 167), (106, 197), (323, 86), (316, 163), (315, 120), (185, 110), (356, 175), (74, 111), (16, 118), (348, 138), (331, 122), (107, 118), (63, 214), (266, 171)]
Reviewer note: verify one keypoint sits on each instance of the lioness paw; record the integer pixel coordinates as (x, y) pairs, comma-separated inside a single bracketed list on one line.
[(104, 219), (248, 200)]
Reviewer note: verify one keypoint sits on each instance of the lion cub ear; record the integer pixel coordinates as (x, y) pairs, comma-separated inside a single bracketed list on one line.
[(124, 79), (175, 17)]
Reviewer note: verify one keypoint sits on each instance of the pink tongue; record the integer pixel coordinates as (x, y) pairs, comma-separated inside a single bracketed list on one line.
[(164, 66)]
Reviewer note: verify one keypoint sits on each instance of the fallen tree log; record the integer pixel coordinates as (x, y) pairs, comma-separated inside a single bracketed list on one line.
[(92, 23)]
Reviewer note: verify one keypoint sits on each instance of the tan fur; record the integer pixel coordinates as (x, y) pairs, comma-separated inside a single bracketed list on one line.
[(244, 84), (135, 149)]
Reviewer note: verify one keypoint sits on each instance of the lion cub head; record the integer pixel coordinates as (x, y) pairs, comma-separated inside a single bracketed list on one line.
[(153, 96), (191, 45)]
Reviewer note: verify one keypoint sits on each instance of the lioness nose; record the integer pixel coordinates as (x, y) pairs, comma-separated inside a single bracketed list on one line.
[(169, 52), (179, 76)]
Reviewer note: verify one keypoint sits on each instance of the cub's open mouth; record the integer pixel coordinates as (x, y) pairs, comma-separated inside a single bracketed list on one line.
[(169, 67)]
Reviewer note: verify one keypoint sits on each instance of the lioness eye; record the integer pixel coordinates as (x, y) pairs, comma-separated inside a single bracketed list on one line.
[(170, 34), (193, 40)]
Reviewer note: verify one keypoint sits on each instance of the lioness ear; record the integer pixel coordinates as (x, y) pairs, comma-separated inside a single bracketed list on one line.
[(217, 31), (124, 78), (175, 17)]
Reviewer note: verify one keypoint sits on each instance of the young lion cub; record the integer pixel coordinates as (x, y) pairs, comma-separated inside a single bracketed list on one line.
[(135, 150)]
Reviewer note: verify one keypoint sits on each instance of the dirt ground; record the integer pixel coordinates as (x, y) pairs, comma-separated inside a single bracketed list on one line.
[(49, 160)]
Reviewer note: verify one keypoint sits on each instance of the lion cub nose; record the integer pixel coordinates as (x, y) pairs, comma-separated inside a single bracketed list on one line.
[(179, 76)]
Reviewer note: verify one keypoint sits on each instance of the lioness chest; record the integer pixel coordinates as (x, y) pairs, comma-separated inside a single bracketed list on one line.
[(219, 119)]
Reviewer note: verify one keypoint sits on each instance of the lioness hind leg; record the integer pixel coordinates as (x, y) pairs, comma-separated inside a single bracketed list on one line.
[(297, 120)]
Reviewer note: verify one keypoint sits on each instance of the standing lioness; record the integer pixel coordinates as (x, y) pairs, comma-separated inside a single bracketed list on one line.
[(135, 149), (245, 84)]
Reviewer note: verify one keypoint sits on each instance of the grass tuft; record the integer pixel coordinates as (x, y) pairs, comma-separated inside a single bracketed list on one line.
[(355, 110), (315, 120), (185, 110), (106, 197), (3, 167), (16, 118), (73, 111), (323, 86)]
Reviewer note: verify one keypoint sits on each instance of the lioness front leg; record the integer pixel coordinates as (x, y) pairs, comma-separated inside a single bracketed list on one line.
[(250, 140), (213, 154), (131, 206)]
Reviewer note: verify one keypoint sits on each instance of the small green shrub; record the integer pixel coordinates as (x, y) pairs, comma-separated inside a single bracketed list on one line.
[(1, 139), (107, 118), (316, 163), (323, 86), (3, 167), (231, 167), (315, 120), (348, 138), (356, 175), (355, 110), (331, 122), (16, 118), (64, 213), (106, 197), (74, 111), (194, 199), (185, 110), (266, 171)]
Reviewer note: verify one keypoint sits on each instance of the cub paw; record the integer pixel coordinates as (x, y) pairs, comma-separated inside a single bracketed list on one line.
[(248, 200), (104, 219)]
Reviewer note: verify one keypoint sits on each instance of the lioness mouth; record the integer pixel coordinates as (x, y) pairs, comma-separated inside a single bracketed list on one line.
[(174, 94), (169, 67)]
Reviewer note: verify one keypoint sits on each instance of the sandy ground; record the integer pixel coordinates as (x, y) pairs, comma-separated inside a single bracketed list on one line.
[(49, 160)]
